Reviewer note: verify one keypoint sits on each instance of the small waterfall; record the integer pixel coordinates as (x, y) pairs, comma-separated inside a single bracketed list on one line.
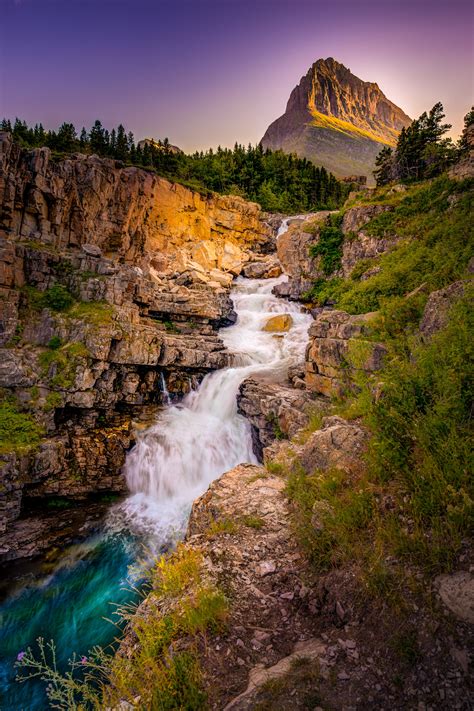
[(196, 441), (164, 390)]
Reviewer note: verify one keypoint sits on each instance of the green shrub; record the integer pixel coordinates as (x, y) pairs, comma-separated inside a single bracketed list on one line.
[(58, 298), (54, 343), (329, 245), (18, 431)]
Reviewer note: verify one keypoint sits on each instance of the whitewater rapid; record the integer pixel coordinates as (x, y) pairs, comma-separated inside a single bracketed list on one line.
[(194, 442)]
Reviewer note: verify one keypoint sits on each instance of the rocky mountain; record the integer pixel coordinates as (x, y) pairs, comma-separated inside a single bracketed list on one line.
[(336, 120), (159, 145)]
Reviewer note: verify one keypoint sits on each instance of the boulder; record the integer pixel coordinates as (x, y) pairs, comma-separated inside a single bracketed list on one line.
[(339, 445), (457, 593), (231, 258), (267, 269), (435, 315), (204, 253), (279, 323), (356, 217), (92, 250)]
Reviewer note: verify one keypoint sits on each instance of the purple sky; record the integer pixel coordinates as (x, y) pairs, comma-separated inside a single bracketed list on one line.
[(204, 72)]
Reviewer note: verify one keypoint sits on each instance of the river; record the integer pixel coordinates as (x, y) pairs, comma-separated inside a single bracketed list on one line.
[(172, 463)]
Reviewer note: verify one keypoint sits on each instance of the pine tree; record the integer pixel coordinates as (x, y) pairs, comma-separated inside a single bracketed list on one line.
[(384, 166), (97, 138), (463, 143), (66, 138), (83, 139), (121, 147)]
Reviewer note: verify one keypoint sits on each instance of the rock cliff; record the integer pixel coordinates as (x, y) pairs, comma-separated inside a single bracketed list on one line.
[(113, 283), (336, 120)]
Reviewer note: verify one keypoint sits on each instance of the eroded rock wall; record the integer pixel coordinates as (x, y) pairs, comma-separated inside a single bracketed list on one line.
[(147, 266), (127, 212)]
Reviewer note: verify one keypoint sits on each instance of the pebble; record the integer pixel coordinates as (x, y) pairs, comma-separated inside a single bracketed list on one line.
[(267, 567)]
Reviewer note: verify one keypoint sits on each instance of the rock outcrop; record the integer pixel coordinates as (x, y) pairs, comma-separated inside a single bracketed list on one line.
[(436, 313), (293, 248), (336, 120), (293, 253), (339, 444), (275, 411), (337, 351)]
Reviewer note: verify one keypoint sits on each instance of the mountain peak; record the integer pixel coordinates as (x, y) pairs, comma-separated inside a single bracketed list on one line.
[(330, 100)]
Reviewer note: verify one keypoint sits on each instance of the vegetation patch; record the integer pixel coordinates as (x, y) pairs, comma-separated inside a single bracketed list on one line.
[(413, 501), (423, 220), (252, 521), (329, 246), (97, 313), (18, 430), (58, 298), (220, 526), (59, 365)]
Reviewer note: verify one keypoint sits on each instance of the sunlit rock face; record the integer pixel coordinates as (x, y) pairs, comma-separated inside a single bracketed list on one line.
[(128, 212), (336, 120)]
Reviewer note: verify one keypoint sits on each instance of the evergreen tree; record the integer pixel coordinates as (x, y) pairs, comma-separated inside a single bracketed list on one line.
[(463, 144), (113, 142), (422, 151), (121, 147), (65, 140), (384, 166), (97, 138), (83, 139)]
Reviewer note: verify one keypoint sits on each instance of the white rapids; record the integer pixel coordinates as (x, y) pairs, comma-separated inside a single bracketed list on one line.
[(196, 441)]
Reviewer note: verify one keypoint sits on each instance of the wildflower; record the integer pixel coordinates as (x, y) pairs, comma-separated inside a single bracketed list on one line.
[(20, 656)]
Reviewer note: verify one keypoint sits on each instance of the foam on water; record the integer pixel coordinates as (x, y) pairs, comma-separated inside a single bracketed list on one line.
[(193, 443)]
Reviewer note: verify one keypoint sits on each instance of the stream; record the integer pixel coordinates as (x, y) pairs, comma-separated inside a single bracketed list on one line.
[(172, 463)]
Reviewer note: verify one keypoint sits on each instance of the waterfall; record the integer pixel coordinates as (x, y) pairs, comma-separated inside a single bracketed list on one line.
[(196, 441), (164, 390)]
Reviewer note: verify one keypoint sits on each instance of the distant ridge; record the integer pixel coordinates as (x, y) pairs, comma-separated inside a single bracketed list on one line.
[(336, 120)]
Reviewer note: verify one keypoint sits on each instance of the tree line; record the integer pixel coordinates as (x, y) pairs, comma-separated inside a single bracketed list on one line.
[(280, 182), (422, 149)]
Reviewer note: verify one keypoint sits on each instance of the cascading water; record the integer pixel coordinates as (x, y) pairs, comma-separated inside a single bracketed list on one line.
[(172, 463), (164, 390), (194, 442)]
